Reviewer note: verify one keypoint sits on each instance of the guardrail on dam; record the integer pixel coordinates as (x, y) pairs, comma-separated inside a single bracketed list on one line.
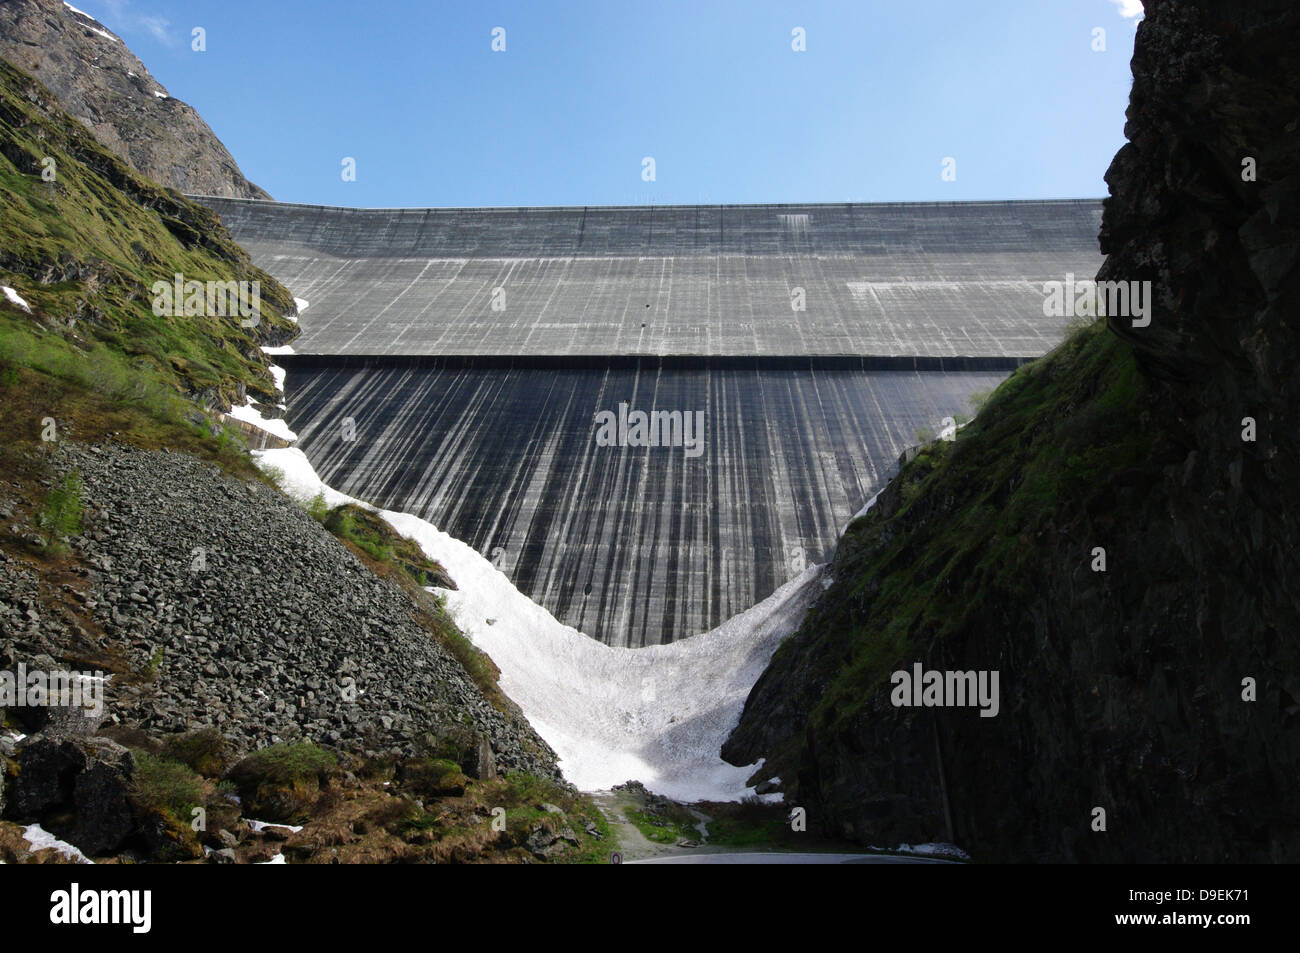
[(484, 368)]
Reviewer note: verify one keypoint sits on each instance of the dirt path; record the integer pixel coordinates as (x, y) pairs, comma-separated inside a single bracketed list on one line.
[(632, 843)]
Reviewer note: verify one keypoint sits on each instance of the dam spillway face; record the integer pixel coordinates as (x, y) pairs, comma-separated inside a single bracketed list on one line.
[(650, 418)]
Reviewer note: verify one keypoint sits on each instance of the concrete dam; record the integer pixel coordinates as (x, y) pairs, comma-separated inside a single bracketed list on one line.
[(649, 418)]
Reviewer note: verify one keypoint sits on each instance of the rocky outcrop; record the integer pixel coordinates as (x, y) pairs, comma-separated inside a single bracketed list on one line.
[(83, 784), (1149, 706), (105, 85)]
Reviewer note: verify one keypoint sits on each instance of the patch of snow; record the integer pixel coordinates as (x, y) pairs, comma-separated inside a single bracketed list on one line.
[(277, 859), (303, 304), (272, 425), (930, 850), (83, 13), (870, 503), (657, 714), (15, 298), (40, 839), (279, 349), (16, 737), (278, 375), (259, 826), (161, 95)]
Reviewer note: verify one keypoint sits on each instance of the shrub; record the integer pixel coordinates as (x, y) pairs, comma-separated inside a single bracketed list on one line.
[(284, 764), (316, 506), (166, 787), (433, 777), (151, 668), (280, 783), (203, 751), (60, 516)]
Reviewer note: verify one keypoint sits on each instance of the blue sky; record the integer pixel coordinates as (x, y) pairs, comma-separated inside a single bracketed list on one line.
[(1012, 90)]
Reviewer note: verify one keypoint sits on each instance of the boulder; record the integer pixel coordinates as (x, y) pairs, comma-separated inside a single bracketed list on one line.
[(78, 788), (482, 764)]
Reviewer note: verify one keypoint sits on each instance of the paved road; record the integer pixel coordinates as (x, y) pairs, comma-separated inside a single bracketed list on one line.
[(789, 858)]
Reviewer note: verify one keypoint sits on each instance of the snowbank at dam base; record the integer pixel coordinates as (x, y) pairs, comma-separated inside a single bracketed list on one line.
[(657, 714)]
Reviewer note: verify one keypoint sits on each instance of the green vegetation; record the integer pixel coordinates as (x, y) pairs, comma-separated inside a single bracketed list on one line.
[(433, 777), (280, 783), (90, 365), (462, 827), (166, 787), (203, 751), (154, 665), (85, 252), (168, 792), (316, 506), (284, 763), (751, 823), (523, 795), (60, 517), (674, 825), (958, 532), (369, 534), (478, 665)]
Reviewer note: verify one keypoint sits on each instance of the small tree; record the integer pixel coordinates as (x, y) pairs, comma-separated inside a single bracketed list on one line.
[(60, 516)]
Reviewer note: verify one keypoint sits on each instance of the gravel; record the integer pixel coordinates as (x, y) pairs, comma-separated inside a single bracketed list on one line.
[(269, 628)]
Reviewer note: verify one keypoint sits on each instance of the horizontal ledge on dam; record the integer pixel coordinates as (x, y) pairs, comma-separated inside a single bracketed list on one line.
[(828, 362)]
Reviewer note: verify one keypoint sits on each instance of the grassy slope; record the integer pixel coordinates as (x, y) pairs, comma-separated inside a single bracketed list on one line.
[(84, 251), (959, 530)]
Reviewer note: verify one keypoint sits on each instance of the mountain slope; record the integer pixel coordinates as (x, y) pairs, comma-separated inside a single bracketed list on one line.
[(85, 250), (326, 685), (105, 85), (1126, 689)]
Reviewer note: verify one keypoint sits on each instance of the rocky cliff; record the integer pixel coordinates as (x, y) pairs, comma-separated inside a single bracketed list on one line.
[(1115, 534), (104, 85)]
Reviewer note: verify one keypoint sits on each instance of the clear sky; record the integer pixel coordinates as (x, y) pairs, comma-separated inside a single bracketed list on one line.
[(584, 91)]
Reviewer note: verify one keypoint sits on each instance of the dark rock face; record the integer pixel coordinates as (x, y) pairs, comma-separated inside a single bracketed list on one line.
[(103, 84), (83, 784), (1120, 689)]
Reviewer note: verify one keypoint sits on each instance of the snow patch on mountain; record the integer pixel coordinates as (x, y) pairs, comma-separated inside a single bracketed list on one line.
[(15, 298)]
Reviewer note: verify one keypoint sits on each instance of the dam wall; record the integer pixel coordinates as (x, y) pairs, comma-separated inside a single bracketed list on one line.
[(631, 542), (455, 363)]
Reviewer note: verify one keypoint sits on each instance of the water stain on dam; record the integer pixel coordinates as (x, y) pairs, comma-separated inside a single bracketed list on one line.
[(411, 390), (639, 544)]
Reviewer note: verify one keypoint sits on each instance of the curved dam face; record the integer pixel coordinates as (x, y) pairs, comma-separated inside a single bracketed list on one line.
[(650, 418)]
